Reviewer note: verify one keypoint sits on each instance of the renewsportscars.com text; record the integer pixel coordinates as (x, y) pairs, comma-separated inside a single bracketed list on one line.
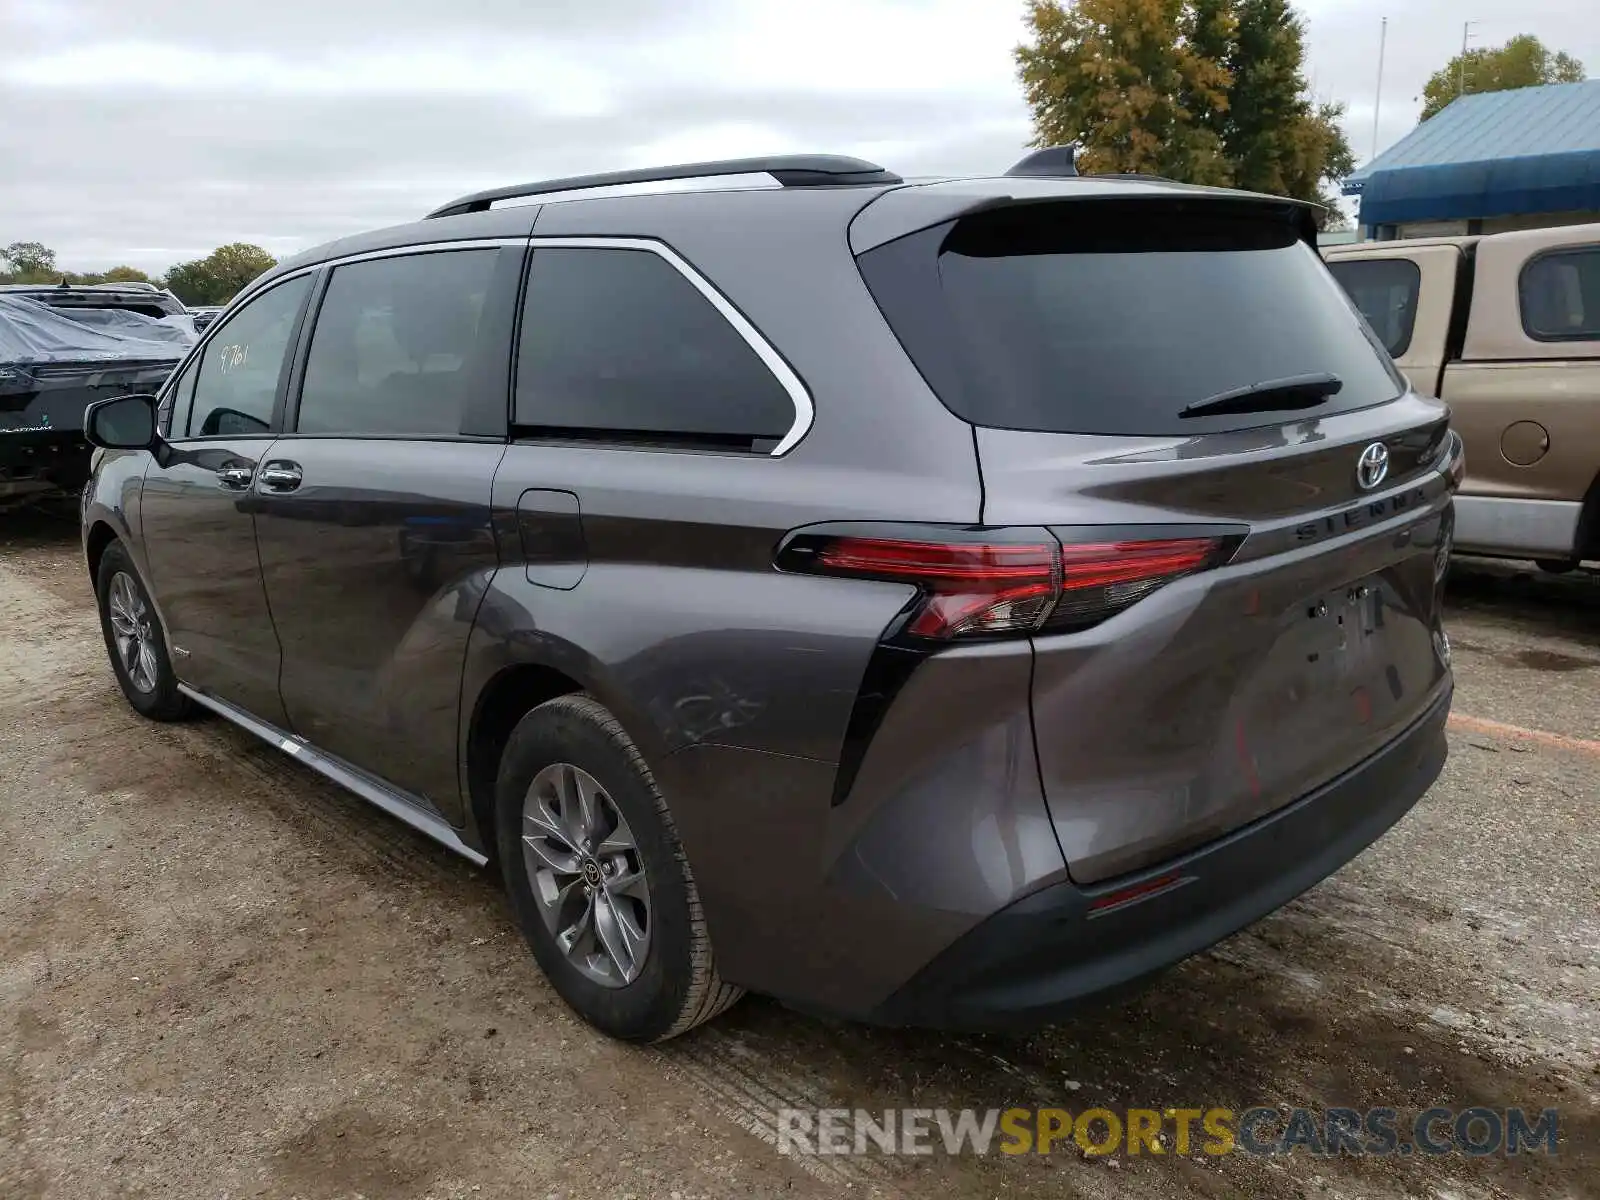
[(1475, 1131)]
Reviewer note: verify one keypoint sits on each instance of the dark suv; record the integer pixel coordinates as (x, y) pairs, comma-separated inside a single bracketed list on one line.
[(932, 604), (62, 346)]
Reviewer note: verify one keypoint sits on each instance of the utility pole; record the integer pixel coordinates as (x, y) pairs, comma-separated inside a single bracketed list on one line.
[(1377, 98), (1461, 80)]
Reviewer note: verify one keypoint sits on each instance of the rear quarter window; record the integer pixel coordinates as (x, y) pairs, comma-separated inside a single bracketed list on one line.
[(618, 344), (1385, 290), (1105, 317), (1559, 294)]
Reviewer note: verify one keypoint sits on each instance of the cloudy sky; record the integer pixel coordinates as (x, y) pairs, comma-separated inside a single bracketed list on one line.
[(149, 131)]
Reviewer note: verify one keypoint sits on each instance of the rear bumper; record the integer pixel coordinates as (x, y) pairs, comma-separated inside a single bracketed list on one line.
[(1047, 954)]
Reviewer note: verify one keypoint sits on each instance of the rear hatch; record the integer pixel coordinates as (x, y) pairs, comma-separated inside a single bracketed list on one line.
[(1253, 511)]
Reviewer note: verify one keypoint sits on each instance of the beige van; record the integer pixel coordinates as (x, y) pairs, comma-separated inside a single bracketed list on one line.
[(1506, 329)]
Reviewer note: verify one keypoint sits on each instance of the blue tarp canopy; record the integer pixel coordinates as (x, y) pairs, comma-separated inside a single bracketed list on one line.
[(1530, 150)]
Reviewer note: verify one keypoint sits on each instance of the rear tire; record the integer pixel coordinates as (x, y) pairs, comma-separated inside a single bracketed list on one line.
[(589, 891), (135, 640), (1556, 566)]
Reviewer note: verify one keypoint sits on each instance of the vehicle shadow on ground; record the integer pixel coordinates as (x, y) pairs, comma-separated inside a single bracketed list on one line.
[(39, 525), (1565, 605)]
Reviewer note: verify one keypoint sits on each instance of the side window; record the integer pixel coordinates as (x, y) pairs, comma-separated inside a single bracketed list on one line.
[(618, 341), (1385, 290), (395, 344), (1560, 296), (175, 414), (239, 371)]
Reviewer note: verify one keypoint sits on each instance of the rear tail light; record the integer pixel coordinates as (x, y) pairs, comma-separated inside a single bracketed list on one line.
[(1001, 581), (1106, 577)]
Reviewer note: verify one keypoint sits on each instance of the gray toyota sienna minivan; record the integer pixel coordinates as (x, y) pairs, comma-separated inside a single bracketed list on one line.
[(931, 603)]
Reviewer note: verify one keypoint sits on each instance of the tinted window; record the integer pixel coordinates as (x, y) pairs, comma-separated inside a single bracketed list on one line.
[(238, 378), (179, 399), (1560, 296), (618, 341), (1385, 290), (1088, 317), (395, 344)]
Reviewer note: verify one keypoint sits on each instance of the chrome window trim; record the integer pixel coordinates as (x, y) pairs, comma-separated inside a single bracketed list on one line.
[(804, 412), (251, 290), (788, 379), (387, 252)]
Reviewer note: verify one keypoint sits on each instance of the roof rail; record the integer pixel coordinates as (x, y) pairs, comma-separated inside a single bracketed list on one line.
[(791, 170), (1053, 161), (1132, 175)]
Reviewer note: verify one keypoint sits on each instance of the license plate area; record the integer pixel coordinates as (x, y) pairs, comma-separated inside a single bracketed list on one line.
[(1341, 629)]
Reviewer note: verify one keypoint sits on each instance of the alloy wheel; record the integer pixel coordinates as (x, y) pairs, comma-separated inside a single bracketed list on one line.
[(132, 632), (587, 875)]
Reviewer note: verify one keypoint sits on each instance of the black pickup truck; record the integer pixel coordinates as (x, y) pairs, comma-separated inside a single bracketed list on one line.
[(62, 346)]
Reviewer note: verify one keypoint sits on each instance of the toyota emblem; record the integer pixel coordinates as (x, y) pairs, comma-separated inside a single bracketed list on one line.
[(1373, 466)]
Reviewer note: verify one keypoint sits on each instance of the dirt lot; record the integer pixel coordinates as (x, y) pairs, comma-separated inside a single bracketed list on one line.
[(221, 977)]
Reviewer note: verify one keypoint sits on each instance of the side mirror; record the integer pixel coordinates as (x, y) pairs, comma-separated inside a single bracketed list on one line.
[(122, 423)]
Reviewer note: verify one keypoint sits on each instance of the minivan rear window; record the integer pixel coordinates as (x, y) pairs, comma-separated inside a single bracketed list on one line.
[(1112, 317)]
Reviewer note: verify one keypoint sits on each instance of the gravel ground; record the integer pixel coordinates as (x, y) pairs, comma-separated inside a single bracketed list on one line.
[(222, 977)]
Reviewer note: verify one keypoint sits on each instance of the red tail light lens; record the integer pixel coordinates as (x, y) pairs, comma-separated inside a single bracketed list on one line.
[(1099, 579), (994, 585), (973, 587)]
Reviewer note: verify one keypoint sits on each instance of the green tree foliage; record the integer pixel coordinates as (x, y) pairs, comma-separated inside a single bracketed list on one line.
[(1205, 91), (1118, 77), (218, 277), (1278, 138), (1522, 62), (1210, 28), (213, 279), (124, 275), (29, 262), (33, 262)]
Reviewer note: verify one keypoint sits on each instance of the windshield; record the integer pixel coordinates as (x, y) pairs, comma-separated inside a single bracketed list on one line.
[(1112, 318)]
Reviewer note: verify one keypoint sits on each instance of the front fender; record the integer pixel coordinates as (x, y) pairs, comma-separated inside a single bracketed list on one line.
[(111, 509)]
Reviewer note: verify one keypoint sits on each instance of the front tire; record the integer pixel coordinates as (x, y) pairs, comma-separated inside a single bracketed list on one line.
[(135, 641), (597, 878)]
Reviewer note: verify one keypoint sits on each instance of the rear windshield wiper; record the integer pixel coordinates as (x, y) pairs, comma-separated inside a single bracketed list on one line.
[(1272, 395)]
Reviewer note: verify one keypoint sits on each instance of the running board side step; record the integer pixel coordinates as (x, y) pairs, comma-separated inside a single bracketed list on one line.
[(415, 813)]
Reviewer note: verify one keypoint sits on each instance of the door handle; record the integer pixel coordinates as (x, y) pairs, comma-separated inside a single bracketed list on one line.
[(280, 476), (235, 477)]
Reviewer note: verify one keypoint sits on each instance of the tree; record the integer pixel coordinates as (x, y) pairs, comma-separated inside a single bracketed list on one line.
[(1524, 61), (1204, 91), (30, 262), (1267, 101), (1278, 138), (220, 275), (1210, 29), (1118, 77)]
